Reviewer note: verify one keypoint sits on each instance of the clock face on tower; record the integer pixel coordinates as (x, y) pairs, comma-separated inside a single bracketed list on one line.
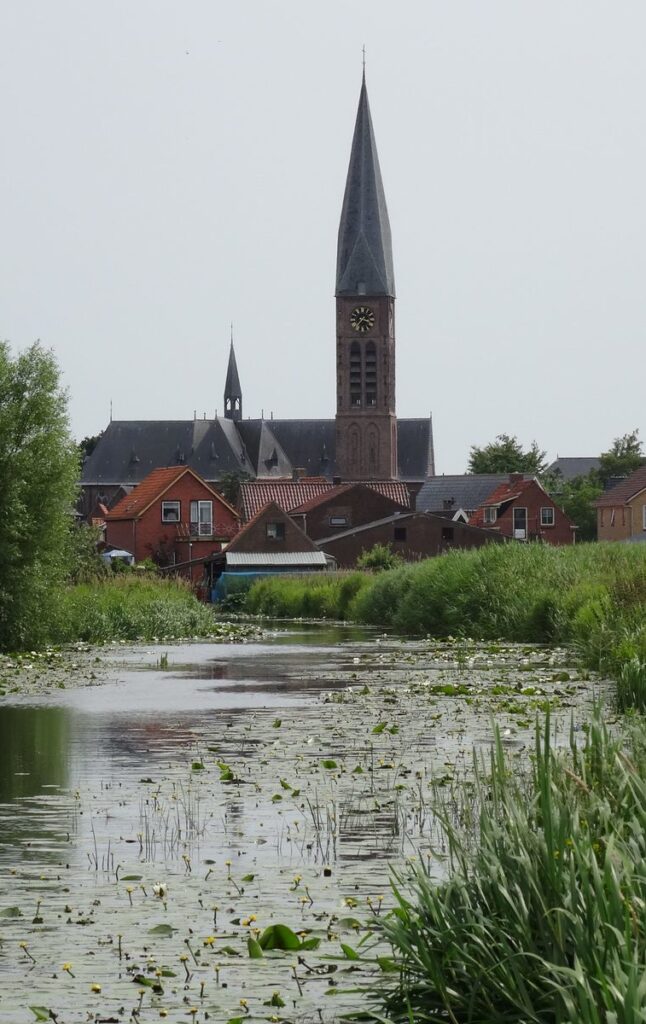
[(362, 319)]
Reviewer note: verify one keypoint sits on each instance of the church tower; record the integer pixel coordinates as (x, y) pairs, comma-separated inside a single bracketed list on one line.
[(366, 425), (232, 390)]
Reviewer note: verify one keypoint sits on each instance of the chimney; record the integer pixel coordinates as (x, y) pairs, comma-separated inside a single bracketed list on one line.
[(299, 473), (516, 478)]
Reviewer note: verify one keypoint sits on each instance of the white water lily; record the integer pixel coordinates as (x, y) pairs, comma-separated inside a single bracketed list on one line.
[(160, 890)]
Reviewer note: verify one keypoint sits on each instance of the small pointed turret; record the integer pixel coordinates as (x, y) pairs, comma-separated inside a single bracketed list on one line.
[(364, 254), (232, 389)]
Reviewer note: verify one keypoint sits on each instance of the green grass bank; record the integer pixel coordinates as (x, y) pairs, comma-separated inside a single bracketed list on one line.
[(592, 596)]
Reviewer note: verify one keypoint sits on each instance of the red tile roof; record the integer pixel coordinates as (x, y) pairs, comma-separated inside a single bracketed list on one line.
[(293, 494), (152, 487), (333, 492), (503, 493), (625, 490)]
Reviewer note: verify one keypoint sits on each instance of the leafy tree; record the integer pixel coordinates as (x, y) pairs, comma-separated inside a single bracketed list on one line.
[(506, 455), (624, 456), (229, 486), (576, 497), (86, 563), (87, 445), (38, 472), (378, 558)]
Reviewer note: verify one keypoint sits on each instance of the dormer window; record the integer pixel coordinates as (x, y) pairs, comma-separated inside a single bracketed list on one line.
[(490, 514)]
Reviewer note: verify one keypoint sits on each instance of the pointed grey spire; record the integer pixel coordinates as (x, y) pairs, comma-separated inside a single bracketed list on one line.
[(364, 255), (232, 389)]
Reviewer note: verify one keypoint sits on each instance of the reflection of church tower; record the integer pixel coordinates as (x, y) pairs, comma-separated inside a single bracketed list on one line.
[(366, 426), (232, 390)]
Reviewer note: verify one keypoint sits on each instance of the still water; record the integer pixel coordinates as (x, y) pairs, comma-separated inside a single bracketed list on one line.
[(210, 791)]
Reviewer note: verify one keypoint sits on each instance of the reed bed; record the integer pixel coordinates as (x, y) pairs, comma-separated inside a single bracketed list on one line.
[(542, 920), (130, 608), (592, 596)]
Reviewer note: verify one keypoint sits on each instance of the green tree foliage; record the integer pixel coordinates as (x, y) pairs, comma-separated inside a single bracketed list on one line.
[(87, 445), (378, 558), (624, 456), (506, 455), (229, 486), (38, 471), (576, 497)]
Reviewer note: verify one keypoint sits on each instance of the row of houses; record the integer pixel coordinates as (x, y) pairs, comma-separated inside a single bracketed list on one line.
[(181, 522)]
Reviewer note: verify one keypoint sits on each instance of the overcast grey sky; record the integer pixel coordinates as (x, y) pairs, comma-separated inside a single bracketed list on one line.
[(169, 167)]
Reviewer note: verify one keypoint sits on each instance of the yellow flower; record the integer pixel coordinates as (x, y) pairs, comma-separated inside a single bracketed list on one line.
[(209, 940), (95, 987)]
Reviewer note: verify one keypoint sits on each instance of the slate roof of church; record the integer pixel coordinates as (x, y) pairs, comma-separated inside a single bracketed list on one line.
[(570, 467), (130, 449), (232, 387), (364, 250)]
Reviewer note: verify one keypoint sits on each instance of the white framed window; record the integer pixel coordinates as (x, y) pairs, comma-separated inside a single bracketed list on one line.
[(275, 531), (643, 517), (490, 514), (520, 523), (201, 518), (170, 511), (547, 516)]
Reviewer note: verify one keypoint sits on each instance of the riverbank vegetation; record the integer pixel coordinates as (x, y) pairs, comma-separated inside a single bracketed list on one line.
[(131, 607), (38, 473), (542, 919), (592, 596)]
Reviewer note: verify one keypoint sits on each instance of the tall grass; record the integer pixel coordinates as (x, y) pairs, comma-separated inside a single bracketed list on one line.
[(129, 608), (316, 595), (591, 595), (543, 919)]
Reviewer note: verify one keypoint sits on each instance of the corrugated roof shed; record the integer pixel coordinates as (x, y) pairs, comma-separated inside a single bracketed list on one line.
[(245, 559)]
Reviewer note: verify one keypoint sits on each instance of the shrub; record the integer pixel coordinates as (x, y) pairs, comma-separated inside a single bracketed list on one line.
[(378, 558)]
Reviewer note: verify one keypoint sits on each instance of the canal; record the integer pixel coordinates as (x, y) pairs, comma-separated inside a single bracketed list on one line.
[(162, 809)]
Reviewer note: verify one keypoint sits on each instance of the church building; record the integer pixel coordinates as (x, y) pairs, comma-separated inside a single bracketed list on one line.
[(365, 441)]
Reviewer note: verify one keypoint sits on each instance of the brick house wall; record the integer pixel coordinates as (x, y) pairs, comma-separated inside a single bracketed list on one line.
[(147, 535), (622, 521), (356, 507), (414, 537), (257, 534), (533, 498)]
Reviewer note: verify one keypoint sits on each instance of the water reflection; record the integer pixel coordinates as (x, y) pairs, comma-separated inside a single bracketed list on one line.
[(36, 813), (34, 746)]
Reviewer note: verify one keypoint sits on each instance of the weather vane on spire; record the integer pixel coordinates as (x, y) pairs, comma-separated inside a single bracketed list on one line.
[(363, 60)]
